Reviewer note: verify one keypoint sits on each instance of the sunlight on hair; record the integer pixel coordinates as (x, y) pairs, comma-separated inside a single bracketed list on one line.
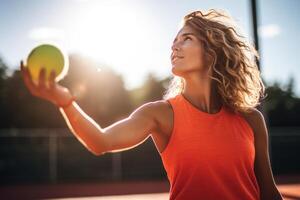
[(234, 67)]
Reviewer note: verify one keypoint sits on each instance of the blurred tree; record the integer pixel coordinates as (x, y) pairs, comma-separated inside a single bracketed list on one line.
[(151, 90), (25, 110), (3, 104), (99, 90), (3, 68), (281, 105)]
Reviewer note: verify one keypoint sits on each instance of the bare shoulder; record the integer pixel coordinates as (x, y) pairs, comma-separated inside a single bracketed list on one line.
[(154, 108), (253, 114), (157, 109), (161, 111), (255, 119)]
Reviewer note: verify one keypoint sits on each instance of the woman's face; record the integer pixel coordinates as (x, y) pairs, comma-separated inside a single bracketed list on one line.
[(187, 53)]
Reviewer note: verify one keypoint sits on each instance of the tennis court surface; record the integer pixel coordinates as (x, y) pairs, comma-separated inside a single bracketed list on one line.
[(289, 186)]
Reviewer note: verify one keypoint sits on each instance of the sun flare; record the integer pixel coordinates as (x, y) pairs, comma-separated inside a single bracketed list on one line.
[(112, 33)]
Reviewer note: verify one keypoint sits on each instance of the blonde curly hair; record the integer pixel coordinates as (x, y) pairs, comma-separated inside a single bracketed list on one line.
[(235, 71)]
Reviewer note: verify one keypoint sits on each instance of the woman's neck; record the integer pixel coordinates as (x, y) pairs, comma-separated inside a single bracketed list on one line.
[(203, 94)]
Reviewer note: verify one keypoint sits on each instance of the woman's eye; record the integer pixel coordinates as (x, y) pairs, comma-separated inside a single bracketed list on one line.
[(187, 38)]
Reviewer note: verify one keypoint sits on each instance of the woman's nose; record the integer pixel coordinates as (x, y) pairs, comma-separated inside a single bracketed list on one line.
[(175, 47)]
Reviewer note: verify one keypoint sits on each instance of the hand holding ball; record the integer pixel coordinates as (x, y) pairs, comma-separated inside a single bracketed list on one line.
[(49, 57)]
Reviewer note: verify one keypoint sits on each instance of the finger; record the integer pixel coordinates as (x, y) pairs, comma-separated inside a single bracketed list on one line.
[(22, 65), (30, 85), (52, 79), (22, 68), (42, 78), (27, 78), (25, 71)]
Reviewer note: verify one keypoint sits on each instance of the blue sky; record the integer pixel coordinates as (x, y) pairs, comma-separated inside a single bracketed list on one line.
[(140, 33)]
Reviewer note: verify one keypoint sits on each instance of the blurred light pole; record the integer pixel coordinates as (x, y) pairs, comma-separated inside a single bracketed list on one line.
[(254, 28), (256, 42)]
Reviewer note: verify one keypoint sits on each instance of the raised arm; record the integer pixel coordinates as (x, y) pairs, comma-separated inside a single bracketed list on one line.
[(122, 135)]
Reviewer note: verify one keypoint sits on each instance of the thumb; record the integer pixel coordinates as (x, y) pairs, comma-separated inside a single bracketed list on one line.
[(52, 82)]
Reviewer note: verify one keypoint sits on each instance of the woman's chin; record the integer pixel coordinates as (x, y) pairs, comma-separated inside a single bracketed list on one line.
[(176, 70)]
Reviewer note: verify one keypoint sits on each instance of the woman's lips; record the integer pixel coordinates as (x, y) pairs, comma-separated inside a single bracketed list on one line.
[(175, 59)]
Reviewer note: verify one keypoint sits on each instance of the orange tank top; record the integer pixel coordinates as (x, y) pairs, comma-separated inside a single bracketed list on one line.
[(209, 156)]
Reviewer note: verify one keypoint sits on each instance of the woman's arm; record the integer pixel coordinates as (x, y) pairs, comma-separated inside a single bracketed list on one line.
[(121, 135), (262, 166)]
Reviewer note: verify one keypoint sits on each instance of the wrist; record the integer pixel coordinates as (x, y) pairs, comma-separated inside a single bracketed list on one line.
[(67, 103)]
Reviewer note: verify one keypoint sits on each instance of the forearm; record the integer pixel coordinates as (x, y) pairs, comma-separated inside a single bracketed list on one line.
[(85, 129)]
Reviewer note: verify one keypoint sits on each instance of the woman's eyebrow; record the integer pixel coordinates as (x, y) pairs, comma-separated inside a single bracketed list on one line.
[(184, 34)]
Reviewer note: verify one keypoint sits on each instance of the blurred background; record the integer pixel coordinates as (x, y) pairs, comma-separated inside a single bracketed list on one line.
[(119, 54)]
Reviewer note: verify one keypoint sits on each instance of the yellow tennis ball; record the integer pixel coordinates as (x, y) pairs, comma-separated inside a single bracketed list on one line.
[(49, 57)]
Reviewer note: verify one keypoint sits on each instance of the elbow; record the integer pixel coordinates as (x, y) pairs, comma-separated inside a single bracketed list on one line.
[(97, 152), (94, 151), (97, 149)]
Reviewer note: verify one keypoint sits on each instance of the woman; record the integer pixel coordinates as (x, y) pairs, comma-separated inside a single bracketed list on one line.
[(212, 140)]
